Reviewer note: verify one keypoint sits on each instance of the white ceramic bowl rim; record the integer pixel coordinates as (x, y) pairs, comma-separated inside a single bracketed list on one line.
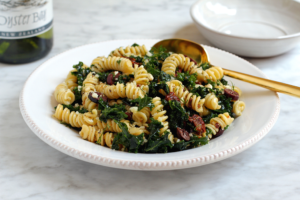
[(193, 10), (142, 165)]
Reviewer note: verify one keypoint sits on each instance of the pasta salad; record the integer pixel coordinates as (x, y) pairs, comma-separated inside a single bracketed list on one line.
[(143, 101)]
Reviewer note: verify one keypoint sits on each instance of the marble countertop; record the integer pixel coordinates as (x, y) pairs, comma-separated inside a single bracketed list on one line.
[(30, 169)]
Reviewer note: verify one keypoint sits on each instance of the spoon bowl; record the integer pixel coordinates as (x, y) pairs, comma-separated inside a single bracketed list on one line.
[(197, 52)]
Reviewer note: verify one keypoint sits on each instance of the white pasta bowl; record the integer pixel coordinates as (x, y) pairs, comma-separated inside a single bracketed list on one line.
[(254, 28), (37, 104)]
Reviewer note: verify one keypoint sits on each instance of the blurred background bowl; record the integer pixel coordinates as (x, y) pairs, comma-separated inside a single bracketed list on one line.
[(253, 28)]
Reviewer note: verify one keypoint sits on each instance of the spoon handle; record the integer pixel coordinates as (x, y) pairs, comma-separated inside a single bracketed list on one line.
[(266, 83)]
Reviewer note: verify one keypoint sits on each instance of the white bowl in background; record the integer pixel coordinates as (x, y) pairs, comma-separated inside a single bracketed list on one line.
[(254, 28)]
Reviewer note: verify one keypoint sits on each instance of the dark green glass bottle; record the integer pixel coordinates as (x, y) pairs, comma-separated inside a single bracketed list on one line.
[(26, 32)]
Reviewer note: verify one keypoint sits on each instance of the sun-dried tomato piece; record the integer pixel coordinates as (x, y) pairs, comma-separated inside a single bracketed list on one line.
[(198, 123), (134, 62), (172, 96)]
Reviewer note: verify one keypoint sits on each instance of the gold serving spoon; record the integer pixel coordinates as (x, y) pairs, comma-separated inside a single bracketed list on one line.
[(198, 53)]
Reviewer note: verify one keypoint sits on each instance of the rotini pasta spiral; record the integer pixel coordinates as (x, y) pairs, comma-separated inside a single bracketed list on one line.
[(63, 94), (214, 73), (89, 84), (115, 91), (134, 92), (93, 134), (142, 116), (110, 125), (158, 113), (223, 120), (75, 119), (179, 60), (204, 112), (141, 76), (102, 64), (106, 139), (212, 128), (130, 50), (135, 131), (211, 102), (238, 107), (71, 80), (87, 103), (189, 99)]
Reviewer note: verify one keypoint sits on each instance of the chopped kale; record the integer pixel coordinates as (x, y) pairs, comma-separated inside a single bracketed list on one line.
[(188, 80), (152, 69), (164, 76), (137, 59), (131, 142), (193, 142), (157, 143), (154, 128), (102, 104), (223, 81), (75, 109), (177, 115), (200, 91), (160, 53), (225, 103), (124, 78), (205, 66), (207, 118), (103, 76), (78, 96), (81, 73), (155, 87), (135, 45), (144, 102), (211, 82), (116, 112)]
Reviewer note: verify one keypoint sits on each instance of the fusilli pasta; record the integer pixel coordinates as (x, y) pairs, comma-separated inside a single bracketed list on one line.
[(130, 50), (63, 94), (102, 64), (238, 107), (189, 99)]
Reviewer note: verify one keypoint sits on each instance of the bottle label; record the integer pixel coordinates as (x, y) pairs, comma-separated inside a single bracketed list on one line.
[(25, 18)]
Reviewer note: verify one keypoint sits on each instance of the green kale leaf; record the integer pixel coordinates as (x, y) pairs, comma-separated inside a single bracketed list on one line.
[(159, 144), (189, 80), (193, 142), (177, 115), (116, 112), (205, 66), (130, 142), (81, 73), (223, 81), (78, 96), (135, 45), (75, 109)]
